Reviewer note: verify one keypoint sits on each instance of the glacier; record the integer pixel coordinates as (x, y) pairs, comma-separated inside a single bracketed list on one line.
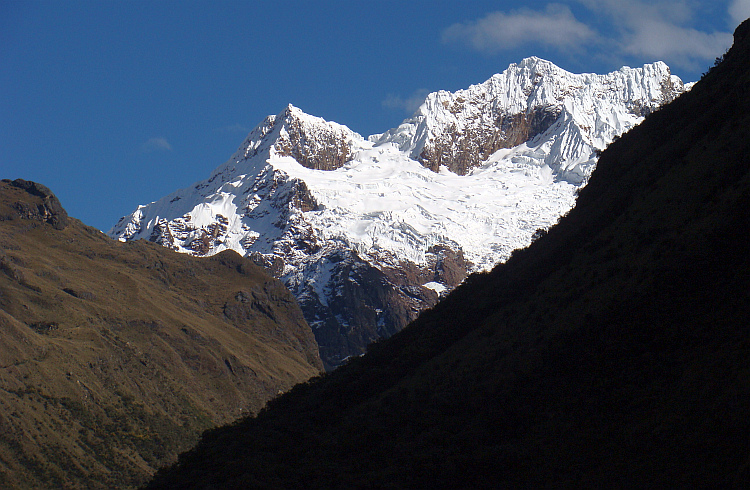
[(393, 221)]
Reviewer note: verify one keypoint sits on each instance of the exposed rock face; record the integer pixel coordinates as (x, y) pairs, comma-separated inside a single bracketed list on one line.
[(461, 130), (38, 203), (319, 148), (311, 141), (351, 302), (367, 233), (448, 266), (460, 150)]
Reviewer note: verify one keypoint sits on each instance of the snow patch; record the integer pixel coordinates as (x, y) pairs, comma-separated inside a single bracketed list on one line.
[(435, 286)]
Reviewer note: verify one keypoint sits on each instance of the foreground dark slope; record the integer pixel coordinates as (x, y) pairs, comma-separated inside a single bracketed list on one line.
[(615, 351), (115, 356)]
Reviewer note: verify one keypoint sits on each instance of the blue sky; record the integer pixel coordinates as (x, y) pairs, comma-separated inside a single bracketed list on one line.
[(112, 104)]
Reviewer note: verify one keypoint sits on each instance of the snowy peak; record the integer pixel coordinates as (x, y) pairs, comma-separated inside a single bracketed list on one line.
[(536, 82), (315, 143), (312, 141), (461, 130), (367, 233)]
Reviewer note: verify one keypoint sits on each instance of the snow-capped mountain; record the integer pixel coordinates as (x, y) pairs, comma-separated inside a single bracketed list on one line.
[(368, 232)]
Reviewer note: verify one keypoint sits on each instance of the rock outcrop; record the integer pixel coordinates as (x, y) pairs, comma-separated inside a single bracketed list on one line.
[(36, 203)]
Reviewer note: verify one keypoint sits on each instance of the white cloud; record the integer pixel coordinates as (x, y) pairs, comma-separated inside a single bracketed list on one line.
[(681, 46), (156, 144), (556, 26), (661, 30), (739, 10), (409, 104), (648, 30)]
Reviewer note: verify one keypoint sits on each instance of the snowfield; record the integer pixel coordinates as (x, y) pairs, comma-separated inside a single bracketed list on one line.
[(385, 201), (471, 176)]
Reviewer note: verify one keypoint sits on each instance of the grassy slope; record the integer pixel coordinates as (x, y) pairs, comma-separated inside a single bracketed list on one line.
[(612, 352), (115, 356)]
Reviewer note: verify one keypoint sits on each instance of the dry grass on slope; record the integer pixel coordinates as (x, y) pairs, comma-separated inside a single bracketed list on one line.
[(116, 356)]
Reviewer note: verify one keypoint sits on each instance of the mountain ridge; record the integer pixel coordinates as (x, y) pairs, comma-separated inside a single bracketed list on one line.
[(473, 175), (115, 356), (523, 102), (611, 352)]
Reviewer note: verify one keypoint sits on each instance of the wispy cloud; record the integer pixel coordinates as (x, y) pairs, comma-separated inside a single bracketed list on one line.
[(681, 46), (156, 144), (649, 30), (660, 30), (556, 27), (739, 10), (409, 104)]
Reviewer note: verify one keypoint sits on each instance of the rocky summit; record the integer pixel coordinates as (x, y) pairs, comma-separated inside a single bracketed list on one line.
[(367, 233)]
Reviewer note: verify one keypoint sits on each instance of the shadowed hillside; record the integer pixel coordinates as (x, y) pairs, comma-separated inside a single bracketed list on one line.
[(115, 356), (615, 351)]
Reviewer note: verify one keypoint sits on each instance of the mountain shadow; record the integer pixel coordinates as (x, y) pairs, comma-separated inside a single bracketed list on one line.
[(613, 352), (114, 357)]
